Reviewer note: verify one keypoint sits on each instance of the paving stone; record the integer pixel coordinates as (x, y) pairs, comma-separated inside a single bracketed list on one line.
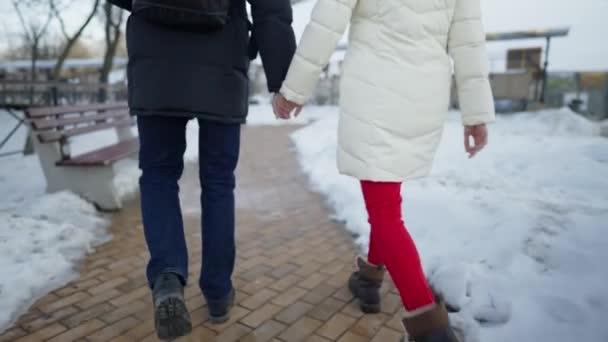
[(233, 333), (79, 331), (292, 267), (336, 326), (12, 334), (352, 337), (386, 334), (264, 332), (44, 333), (293, 312), (47, 319), (261, 315), (259, 299), (301, 330), (289, 296), (368, 325), (326, 309)]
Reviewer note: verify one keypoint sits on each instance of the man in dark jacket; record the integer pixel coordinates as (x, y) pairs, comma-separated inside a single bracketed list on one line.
[(174, 76)]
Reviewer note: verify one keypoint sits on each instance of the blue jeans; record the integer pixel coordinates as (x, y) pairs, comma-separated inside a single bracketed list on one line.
[(162, 147)]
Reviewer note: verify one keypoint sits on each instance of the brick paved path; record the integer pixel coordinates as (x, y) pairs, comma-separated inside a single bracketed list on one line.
[(292, 267)]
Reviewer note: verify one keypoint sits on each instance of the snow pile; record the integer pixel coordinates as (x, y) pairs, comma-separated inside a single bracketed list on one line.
[(516, 238), (126, 178), (42, 236), (563, 122)]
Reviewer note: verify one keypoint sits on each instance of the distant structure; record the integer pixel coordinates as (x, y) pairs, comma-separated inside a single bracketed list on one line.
[(530, 59), (76, 69)]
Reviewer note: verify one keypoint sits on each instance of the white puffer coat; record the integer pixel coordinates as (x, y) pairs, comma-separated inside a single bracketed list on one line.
[(396, 79)]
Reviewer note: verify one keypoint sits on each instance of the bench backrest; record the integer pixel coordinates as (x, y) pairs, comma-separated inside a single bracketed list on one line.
[(57, 124)]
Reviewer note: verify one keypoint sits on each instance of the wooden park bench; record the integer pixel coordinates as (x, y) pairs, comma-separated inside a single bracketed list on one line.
[(91, 174)]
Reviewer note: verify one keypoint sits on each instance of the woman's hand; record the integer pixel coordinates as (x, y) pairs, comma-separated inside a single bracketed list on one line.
[(479, 135), (283, 107)]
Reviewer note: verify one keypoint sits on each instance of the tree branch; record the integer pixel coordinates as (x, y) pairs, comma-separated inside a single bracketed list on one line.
[(22, 20), (59, 17), (71, 41), (45, 27)]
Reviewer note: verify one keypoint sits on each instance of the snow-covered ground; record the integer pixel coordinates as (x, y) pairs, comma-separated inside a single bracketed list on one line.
[(517, 238), (43, 236)]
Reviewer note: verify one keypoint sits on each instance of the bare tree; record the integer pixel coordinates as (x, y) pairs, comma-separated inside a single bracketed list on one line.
[(113, 32), (72, 39), (33, 29)]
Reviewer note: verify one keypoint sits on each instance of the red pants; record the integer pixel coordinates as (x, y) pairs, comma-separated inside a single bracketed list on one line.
[(391, 245)]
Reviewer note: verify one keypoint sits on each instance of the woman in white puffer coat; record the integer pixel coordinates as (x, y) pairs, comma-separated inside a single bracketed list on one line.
[(394, 97)]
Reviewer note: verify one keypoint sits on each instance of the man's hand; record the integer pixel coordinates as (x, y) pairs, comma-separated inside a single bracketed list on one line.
[(479, 135), (283, 107)]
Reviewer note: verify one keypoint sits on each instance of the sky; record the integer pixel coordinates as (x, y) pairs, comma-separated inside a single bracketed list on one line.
[(582, 50), (10, 27)]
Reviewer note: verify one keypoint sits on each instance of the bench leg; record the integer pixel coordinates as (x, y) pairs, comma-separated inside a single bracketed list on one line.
[(48, 155), (96, 184)]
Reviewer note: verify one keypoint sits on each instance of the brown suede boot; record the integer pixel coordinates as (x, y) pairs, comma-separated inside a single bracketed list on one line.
[(432, 325), (365, 285)]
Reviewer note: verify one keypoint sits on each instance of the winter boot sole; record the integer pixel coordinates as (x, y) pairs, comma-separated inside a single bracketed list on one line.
[(220, 319), (172, 319)]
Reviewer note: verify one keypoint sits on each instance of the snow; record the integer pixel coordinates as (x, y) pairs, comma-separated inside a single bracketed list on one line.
[(118, 76), (516, 238), (44, 236)]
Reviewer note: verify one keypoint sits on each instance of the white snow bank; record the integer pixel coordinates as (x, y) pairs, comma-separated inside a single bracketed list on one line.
[(562, 122), (43, 236), (516, 238)]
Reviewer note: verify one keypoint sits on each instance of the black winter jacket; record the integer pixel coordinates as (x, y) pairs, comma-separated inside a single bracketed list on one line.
[(179, 73)]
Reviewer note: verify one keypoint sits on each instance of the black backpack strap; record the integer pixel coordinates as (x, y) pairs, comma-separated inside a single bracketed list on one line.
[(253, 44)]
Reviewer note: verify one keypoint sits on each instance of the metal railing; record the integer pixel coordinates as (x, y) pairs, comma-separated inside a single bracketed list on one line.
[(24, 93)]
